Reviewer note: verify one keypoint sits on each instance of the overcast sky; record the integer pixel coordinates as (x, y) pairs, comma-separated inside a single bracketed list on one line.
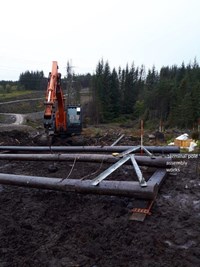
[(151, 32)]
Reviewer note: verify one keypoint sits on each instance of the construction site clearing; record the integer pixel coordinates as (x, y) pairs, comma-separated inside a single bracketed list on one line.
[(69, 206)]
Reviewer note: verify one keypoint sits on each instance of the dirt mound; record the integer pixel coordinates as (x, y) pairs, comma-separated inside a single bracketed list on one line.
[(48, 228)]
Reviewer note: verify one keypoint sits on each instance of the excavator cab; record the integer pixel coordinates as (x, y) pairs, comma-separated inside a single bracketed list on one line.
[(74, 119)]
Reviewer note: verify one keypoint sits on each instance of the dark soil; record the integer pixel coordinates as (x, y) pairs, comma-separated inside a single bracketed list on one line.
[(54, 229)]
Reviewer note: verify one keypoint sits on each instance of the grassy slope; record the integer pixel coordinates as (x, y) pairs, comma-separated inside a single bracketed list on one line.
[(13, 95), (22, 107)]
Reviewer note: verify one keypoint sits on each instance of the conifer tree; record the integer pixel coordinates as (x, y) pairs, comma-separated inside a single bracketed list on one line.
[(114, 95)]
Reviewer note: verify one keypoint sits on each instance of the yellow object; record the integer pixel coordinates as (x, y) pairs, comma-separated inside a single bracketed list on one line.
[(115, 154), (182, 143)]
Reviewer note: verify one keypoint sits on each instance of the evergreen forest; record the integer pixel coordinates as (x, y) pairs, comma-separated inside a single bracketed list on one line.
[(171, 95)]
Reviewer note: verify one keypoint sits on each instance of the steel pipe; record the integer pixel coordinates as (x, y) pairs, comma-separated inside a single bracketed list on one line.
[(152, 149), (117, 188), (141, 160)]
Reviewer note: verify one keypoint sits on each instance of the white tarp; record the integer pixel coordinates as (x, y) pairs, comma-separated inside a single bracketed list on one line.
[(192, 146), (183, 137)]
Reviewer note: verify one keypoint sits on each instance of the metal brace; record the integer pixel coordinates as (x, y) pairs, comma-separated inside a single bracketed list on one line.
[(107, 172), (115, 166), (138, 172)]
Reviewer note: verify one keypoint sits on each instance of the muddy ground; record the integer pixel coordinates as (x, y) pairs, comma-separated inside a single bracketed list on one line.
[(55, 229)]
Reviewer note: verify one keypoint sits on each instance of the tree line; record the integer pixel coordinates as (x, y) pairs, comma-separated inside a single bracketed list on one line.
[(32, 80), (29, 80), (171, 94)]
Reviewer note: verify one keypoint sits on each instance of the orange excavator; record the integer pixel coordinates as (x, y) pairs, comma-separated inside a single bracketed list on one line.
[(58, 118)]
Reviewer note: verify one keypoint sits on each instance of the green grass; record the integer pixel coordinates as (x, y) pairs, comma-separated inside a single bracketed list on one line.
[(13, 95), (21, 107)]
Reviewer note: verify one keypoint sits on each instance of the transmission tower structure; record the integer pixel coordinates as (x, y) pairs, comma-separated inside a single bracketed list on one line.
[(70, 83)]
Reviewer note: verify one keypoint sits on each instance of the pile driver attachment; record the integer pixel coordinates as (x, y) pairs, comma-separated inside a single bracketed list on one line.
[(59, 119)]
